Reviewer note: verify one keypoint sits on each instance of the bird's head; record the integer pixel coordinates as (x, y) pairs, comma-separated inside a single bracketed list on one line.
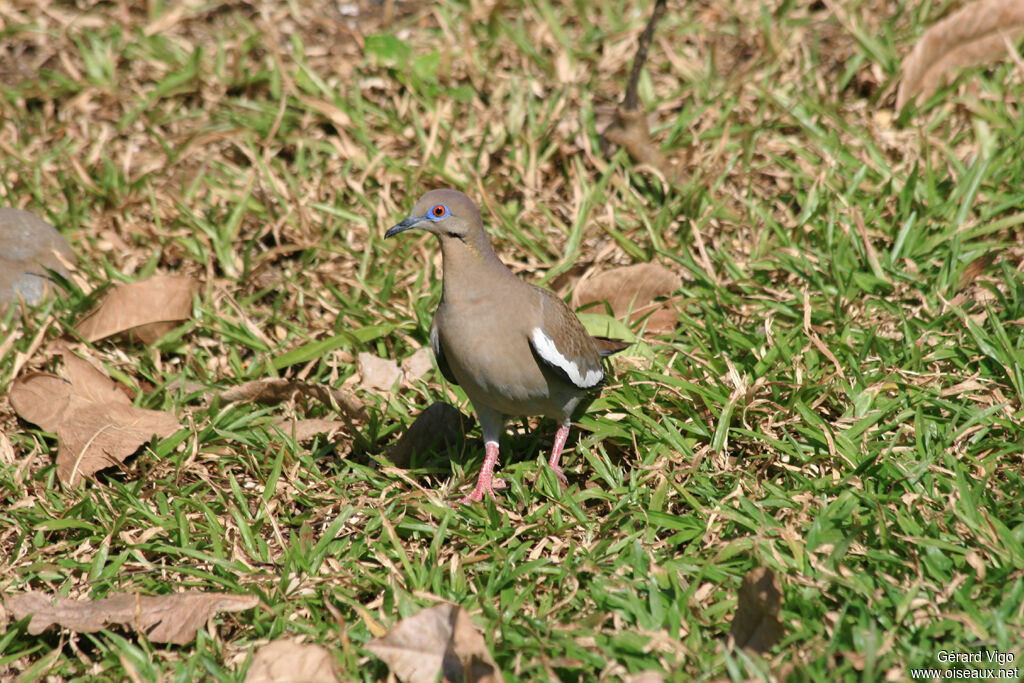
[(449, 214)]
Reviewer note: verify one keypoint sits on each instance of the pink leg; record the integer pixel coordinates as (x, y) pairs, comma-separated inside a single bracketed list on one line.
[(556, 452), (485, 483)]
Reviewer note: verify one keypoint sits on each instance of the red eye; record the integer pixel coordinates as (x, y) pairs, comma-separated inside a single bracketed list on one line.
[(439, 211)]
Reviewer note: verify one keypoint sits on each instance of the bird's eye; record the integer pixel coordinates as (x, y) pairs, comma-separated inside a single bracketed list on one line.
[(439, 211)]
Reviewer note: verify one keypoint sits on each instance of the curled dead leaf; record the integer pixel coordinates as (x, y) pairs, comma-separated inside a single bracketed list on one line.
[(171, 618), (632, 290), (438, 426), (437, 640), (96, 424), (287, 661), (273, 390), (974, 34), (148, 309), (756, 625)]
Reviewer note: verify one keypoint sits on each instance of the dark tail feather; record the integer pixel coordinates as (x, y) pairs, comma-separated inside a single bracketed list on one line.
[(606, 346)]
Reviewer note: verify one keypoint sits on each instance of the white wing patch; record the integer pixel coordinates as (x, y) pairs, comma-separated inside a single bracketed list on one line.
[(545, 347)]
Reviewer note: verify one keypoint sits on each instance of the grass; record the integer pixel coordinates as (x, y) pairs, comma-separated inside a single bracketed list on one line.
[(841, 402)]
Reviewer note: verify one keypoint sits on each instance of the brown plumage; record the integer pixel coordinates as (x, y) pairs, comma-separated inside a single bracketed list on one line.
[(514, 348)]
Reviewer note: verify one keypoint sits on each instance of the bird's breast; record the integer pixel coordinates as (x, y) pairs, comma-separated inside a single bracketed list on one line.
[(489, 353)]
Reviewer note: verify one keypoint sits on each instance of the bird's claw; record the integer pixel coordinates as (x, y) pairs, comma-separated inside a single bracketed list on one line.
[(560, 475), (477, 494)]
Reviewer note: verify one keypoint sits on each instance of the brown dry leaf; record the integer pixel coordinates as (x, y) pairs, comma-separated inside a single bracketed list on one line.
[(304, 430), (418, 364), (148, 309), (975, 269), (273, 390), (756, 624), (438, 426), (974, 34), (379, 374), (633, 290), (286, 661), (41, 398), (95, 422), (437, 640), (171, 618)]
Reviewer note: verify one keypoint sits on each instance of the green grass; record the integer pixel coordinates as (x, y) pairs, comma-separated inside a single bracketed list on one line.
[(841, 402)]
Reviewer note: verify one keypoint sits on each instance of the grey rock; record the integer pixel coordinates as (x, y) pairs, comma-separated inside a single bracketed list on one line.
[(28, 246)]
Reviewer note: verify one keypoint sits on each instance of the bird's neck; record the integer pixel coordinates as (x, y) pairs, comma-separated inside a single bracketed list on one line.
[(471, 270)]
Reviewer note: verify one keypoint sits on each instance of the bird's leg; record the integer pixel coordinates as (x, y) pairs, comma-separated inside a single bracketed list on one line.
[(485, 483), (556, 452), (492, 423)]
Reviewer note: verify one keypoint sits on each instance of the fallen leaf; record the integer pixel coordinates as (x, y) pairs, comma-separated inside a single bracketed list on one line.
[(975, 269), (273, 390), (41, 398), (304, 430), (96, 424), (974, 34), (756, 624), (379, 374), (418, 364), (439, 640), (439, 426), (173, 618), (288, 661), (148, 309), (632, 290)]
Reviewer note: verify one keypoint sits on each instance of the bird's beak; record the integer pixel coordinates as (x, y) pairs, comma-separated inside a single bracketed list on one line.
[(408, 224)]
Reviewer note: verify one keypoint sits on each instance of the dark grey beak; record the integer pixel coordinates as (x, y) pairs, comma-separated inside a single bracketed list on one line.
[(407, 224)]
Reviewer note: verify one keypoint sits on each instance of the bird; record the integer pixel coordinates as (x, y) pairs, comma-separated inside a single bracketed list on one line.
[(515, 349)]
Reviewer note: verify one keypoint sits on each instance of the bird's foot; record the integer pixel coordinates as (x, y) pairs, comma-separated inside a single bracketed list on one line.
[(560, 475), (478, 493), (563, 482)]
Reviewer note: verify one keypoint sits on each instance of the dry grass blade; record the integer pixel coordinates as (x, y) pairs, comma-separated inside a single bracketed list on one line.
[(756, 625), (171, 618), (283, 661), (148, 309), (95, 422), (437, 640), (974, 34)]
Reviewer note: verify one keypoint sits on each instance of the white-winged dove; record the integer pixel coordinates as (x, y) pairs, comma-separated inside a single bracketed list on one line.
[(514, 348)]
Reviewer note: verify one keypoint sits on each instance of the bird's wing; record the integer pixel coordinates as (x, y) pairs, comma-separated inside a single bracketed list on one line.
[(442, 362), (561, 343)]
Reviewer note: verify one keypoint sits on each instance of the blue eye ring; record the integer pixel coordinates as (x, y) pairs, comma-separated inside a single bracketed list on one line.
[(438, 212)]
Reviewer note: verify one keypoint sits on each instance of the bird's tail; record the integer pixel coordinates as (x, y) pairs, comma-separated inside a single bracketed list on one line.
[(607, 346)]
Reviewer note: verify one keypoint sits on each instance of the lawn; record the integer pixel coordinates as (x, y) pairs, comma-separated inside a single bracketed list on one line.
[(836, 398)]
